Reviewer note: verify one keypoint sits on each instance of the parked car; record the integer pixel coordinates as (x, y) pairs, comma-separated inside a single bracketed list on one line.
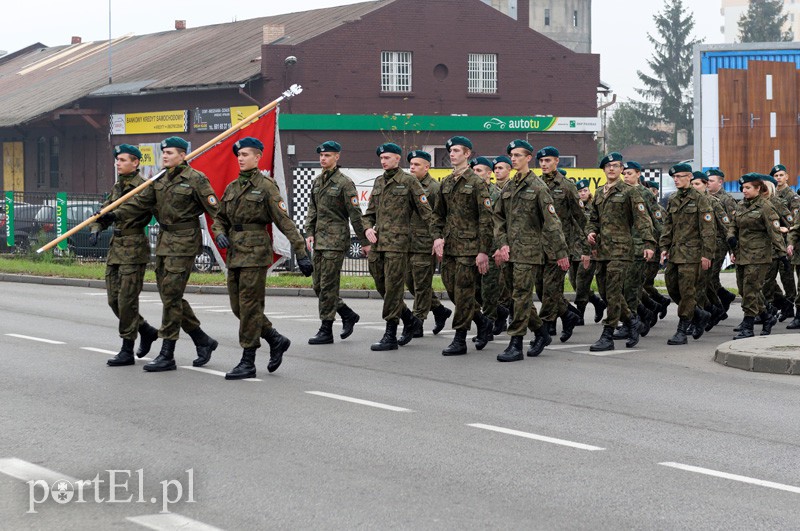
[(43, 230), (204, 262), (25, 227)]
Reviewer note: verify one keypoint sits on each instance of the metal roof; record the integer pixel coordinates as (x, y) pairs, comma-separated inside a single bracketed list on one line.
[(42, 79)]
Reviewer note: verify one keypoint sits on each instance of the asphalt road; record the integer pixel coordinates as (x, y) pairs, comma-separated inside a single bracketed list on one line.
[(656, 437)]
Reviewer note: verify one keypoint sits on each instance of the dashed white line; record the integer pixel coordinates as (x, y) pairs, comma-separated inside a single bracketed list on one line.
[(40, 339), (214, 372), (360, 401), (606, 352), (734, 477), (228, 310), (100, 350), (25, 471), (170, 522), (566, 347), (543, 438)]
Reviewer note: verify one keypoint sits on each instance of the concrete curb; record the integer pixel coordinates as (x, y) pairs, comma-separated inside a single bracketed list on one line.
[(776, 354)]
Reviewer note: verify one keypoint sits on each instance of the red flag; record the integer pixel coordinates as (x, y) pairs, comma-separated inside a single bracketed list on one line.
[(221, 167)]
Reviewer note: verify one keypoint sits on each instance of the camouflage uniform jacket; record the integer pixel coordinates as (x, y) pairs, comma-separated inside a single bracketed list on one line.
[(129, 244), (395, 196), (525, 219), (334, 200), (757, 227), (567, 204), (615, 211), (727, 200), (723, 223), (463, 215), (177, 200), (689, 228), (784, 217), (248, 206), (421, 240), (655, 221)]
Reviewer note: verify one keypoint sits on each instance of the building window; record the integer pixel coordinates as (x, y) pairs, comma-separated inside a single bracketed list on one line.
[(41, 161), (55, 149), (396, 71), (575, 19), (547, 17), (482, 71)]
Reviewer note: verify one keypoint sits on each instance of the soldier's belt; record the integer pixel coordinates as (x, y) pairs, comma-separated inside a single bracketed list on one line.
[(241, 227), (181, 226), (128, 232)]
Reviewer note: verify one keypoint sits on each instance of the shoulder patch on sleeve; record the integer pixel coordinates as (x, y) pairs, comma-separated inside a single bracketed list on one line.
[(777, 224), (658, 213), (707, 217), (551, 209), (212, 200), (789, 217), (423, 198), (641, 207), (726, 219), (487, 203), (354, 201), (282, 205)]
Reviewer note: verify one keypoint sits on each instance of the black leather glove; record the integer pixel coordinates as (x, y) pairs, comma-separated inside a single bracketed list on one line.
[(786, 265), (93, 237), (106, 219), (733, 241), (305, 266), (223, 242)]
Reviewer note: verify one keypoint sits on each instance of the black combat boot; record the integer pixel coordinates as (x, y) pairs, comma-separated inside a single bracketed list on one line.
[(204, 345), (551, 327), (147, 335), (411, 326), (606, 341), (501, 321), (124, 356), (581, 307), (514, 350), (795, 324), (680, 334), (599, 307), (440, 316), (746, 328), (716, 315), (278, 344), (767, 322), (569, 320), (654, 308), (622, 331), (246, 367), (540, 340), (324, 334), (634, 331), (165, 361), (458, 346), (645, 316), (726, 297), (786, 309), (349, 320), (664, 302), (389, 339), (484, 331), (700, 321)]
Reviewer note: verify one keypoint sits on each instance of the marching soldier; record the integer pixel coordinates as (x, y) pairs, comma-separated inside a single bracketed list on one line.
[(248, 206), (659, 302), (395, 195), (422, 262), (177, 200), (528, 231), (334, 200), (791, 201), (581, 273), (128, 255), (463, 216), (502, 170), (716, 180)]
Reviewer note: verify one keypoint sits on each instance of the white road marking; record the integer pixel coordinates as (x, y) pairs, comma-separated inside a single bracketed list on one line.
[(96, 294), (215, 373), (607, 352), (566, 346), (220, 311), (41, 340), (201, 307), (288, 316), (25, 471), (170, 522), (360, 401), (543, 438), (734, 477), (100, 350)]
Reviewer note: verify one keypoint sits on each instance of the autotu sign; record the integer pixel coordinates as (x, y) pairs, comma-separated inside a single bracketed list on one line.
[(61, 219)]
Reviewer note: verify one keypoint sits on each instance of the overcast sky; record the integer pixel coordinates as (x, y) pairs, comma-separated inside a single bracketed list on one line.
[(619, 34)]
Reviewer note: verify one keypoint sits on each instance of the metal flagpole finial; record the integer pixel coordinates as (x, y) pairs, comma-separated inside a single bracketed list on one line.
[(294, 90)]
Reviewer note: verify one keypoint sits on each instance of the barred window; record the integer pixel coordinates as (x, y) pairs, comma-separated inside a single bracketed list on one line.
[(482, 70), (396, 71)]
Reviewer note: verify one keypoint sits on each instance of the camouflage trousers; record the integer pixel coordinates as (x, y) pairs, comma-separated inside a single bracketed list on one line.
[(172, 274), (611, 282), (419, 281), (246, 288), (706, 292), (550, 290), (461, 280), (123, 286), (389, 271), (651, 270), (634, 280), (325, 281), (682, 282), (796, 268), (771, 289), (491, 290), (524, 278), (716, 267), (581, 280), (749, 280)]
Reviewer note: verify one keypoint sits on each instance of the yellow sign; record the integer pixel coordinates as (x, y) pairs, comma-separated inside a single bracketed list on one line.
[(148, 157), (240, 113), (595, 176), (150, 122)]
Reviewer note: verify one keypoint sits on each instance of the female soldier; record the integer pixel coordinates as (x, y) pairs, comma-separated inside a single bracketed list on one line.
[(756, 224)]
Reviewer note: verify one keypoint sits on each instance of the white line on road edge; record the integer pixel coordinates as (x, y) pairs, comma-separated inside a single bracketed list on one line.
[(566, 347), (542, 438), (215, 373), (362, 402), (100, 350), (734, 477), (170, 521), (19, 469), (37, 339)]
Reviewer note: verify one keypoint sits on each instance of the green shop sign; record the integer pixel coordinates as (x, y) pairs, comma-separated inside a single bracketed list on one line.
[(10, 219), (413, 122), (61, 219)]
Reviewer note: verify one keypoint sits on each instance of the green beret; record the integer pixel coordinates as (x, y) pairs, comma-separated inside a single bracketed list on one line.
[(389, 147), (247, 142), (699, 175), (777, 168), (175, 142), (770, 179), (562, 171), (614, 156), (716, 172), (519, 144), (329, 146), (680, 168), (458, 141), (418, 154), (652, 184), (583, 183), (632, 165), (547, 151), (753, 176), (501, 158), (478, 161), (129, 149)]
